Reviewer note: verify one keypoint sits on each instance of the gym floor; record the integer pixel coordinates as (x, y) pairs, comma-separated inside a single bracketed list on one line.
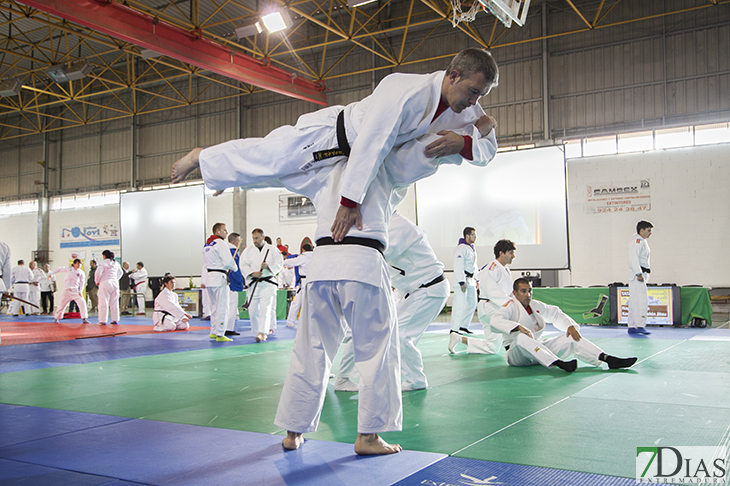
[(176, 408)]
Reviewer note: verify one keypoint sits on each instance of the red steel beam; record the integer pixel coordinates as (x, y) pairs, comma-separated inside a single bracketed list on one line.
[(121, 22)]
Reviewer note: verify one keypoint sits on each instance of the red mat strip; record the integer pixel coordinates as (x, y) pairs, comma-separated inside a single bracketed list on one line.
[(14, 332)]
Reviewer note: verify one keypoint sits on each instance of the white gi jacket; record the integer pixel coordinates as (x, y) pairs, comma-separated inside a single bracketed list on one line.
[(74, 280), (412, 261), (138, 277), (21, 273), (167, 301), (45, 284), (465, 260), (5, 268), (216, 255), (301, 261), (495, 284), (512, 314), (109, 270), (638, 257), (251, 259), (38, 276)]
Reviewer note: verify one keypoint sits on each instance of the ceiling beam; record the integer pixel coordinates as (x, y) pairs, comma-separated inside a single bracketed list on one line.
[(118, 21)]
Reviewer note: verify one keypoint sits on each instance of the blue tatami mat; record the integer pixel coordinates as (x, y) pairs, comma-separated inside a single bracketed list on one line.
[(471, 472), (162, 453), (19, 473)]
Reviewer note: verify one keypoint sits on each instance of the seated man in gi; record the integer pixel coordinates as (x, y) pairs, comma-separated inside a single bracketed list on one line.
[(523, 321), (168, 315)]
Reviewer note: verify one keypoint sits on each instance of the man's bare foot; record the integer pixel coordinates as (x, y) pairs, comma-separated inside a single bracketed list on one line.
[(292, 441), (372, 444), (186, 165)]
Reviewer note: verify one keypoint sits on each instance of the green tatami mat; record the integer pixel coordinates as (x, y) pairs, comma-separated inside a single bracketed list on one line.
[(476, 406)]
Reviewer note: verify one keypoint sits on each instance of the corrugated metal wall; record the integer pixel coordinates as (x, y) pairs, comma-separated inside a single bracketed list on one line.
[(662, 71)]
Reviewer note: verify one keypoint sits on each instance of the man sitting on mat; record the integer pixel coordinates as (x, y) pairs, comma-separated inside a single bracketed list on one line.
[(523, 321)]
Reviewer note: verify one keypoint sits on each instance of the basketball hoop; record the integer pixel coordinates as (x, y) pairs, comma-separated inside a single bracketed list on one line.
[(459, 15)]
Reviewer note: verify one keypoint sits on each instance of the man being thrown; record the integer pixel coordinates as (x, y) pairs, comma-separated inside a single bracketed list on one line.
[(260, 263), (495, 288), (168, 315), (523, 320)]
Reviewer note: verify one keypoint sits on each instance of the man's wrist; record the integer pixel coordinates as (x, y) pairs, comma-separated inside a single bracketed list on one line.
[(348, 203)]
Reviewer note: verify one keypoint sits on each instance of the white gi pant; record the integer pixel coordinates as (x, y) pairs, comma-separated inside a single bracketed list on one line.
[(292, 317), (140, 290), (108, 300), (263, 307), (34, 296), (491, 342), (327, 308), (415, 314), (525, 351), (206, 303), (164, 322), (20, 291), (638, 303), (232, 311), (463, 307), (67, 296), (218, 297)]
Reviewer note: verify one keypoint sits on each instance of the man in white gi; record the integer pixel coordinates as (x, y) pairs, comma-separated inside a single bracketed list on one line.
[(639, 271), (20, 279), (138, 279), (465, 282), (73, 286), (418, 277), (5, 268), (34, 289), (522, 320), (218, 261), (495, 288), (48, 287), (168, 315), (235, 284), (300, 262), (260, 264)]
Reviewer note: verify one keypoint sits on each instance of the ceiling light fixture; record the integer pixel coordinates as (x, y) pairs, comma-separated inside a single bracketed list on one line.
[(10, 87), (277, 21), (62, 74)]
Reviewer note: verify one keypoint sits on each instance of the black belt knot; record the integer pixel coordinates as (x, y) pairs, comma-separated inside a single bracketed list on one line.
[(645, 270), (353, 240), (468, 274)]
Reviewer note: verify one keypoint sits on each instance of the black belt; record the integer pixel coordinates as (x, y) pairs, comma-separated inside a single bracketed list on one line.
[(353, 240), (343, 147), (16, 283), (645, 270), (165, 314), (264, 279), (217, 270), (468, 274), (438, 279)]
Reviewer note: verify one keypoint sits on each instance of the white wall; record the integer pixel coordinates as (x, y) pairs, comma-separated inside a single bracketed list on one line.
[(19, 232), (689, 210), (262, 211)]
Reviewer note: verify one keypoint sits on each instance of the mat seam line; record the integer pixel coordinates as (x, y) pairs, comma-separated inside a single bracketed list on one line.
[(75, 471)]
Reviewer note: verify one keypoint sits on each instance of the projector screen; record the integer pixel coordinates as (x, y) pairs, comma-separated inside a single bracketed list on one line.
[(519, 196), (165, 229)]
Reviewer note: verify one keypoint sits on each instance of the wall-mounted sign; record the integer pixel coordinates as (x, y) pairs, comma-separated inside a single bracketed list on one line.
[(615, 197), (90, 235)]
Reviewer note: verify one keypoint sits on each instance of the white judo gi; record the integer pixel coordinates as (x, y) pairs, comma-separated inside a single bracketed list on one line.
[(525, 351), (639, 253), (107, 276), (168, 315), (418, 276), (218, 260), (301, 261), (139, 286), (465, 270), (20, 279), (495, 284), (262, 309), (5, 267), (34, 289), (73, 286)]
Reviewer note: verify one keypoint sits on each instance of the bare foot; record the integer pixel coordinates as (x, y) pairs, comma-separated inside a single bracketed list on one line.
[(186, 165), (372, 444), (292, 441), (217, 193)]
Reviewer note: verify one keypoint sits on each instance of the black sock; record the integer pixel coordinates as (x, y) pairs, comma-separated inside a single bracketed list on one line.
[(615, 363), (568, 366)]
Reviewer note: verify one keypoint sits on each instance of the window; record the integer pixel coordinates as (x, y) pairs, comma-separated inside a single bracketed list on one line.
[(599, 146), (635, 142), (715, 133), (673, 137)]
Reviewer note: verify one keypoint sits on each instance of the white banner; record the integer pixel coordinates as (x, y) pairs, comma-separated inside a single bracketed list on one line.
[(619, 197), (90, 235)]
